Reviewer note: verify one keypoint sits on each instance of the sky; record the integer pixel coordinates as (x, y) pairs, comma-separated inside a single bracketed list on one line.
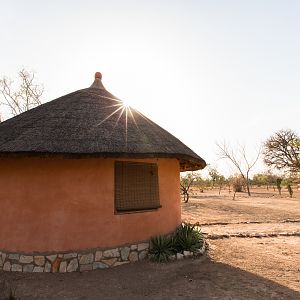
[(206, 71)]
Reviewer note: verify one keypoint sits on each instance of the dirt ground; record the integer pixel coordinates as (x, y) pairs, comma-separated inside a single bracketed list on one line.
[(254, 253)]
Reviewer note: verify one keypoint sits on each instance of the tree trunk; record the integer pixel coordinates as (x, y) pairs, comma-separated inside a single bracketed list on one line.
[(187, 198), (248, 185), (279, 190), (248, 188), (234, 195), (290, 190)]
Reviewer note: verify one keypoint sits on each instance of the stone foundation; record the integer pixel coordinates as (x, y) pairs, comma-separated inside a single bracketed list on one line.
[(73, 261)]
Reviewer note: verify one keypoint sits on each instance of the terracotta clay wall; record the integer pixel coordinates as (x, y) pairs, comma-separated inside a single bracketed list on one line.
[(64, 204)]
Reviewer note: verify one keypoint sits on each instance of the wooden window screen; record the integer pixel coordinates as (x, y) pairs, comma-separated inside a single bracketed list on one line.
[(136, 186)]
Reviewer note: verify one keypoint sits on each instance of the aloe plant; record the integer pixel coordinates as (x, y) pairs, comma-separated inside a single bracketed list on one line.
[(188, 237), (161, 248)]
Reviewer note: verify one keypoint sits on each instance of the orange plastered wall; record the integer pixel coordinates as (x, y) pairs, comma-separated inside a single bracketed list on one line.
[(56, 204)]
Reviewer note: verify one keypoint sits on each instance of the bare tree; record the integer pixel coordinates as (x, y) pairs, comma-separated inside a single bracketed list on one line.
[(239, 159), (282, 151), (24, 97)]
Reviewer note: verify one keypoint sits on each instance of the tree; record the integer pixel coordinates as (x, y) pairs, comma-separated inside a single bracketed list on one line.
[(216, 178), (237, 182), (239, 159), (185, 184), (282, 151), (23, 97), (260, 179), (265, 179), (278, 184), (200, 183)]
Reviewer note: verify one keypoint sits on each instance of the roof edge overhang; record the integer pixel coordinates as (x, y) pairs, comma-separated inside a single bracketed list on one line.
[(187, 162)]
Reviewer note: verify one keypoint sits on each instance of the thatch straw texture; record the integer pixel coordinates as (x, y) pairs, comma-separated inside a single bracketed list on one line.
[(91, 123)]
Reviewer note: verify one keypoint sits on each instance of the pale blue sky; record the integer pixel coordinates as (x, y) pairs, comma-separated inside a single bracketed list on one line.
[(206, 71)]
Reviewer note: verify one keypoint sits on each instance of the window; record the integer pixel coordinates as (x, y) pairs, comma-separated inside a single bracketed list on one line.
[(136, 186)]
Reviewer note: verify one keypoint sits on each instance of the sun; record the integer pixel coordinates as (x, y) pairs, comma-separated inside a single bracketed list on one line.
[(126, 103)]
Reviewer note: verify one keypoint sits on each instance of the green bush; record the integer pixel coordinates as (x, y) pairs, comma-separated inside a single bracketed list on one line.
[(188, 238), (161, 248)]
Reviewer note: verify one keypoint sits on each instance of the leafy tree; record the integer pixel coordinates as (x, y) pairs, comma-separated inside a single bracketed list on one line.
[(200, 183), (26, 95), (216, 178), (282, 151), (237, 182), (265, 179), (278, 184), (260, 179), (288, 181)]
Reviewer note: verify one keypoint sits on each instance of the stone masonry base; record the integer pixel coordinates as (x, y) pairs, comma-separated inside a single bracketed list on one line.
[(73, 261)]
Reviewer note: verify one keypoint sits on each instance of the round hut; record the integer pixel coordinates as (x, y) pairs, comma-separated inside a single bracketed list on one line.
[(85, 182)]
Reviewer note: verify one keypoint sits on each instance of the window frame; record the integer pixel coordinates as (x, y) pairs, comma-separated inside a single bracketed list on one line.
[(156, 203)]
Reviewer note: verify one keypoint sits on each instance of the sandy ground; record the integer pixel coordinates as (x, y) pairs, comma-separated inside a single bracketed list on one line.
[(234, 268)]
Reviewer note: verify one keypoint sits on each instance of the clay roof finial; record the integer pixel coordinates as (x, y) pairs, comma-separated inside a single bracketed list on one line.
[(97, 84)]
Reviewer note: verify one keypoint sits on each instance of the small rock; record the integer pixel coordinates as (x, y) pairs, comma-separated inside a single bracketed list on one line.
[(38, 270), (1, 261), (3, 255), (110, 262), (86, 267), (202, 250), (143, 246), (172, 257), (179, 256), (98, 255), (28, 268), (56, 264), (120, 263), (86, 259), (143, 255), (99, 265), (70, 255), (7, 266), (51, 257), (26, 259), (47, 267), (14, 256), (63, 267), (73, 265), (133, 256), (187, 253), (39, 260), (16, 268), (133, 247), (125, 253), (111, 253)]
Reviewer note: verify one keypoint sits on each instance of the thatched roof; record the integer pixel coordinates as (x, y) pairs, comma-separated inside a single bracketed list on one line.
[(91, 123)]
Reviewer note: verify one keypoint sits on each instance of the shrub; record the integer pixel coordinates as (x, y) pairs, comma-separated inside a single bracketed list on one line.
[(188, 237), (161, 248)]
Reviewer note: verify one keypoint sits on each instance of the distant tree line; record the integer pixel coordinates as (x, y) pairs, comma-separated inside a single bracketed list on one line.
[(280, 152), (193, 181)]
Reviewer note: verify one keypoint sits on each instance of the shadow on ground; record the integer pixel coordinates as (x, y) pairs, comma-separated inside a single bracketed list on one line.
[(188, 279)]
